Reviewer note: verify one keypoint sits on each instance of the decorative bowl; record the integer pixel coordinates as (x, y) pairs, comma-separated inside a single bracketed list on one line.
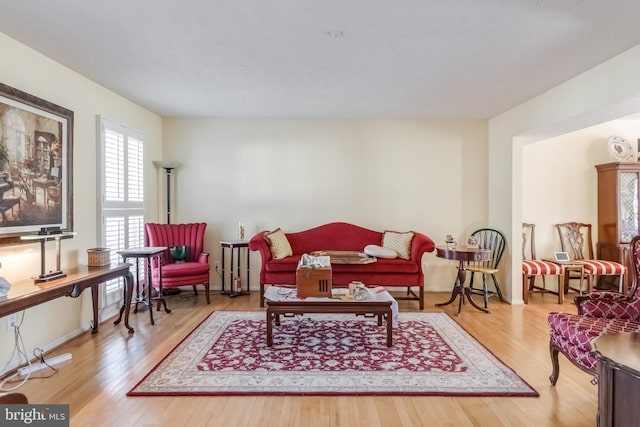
[(179, 253)]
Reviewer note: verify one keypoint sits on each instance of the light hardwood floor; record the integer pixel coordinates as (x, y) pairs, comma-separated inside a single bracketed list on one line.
[(107, 365)]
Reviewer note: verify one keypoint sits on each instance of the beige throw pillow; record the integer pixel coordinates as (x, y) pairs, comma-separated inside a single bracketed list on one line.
[(399, 242), (280, 247)]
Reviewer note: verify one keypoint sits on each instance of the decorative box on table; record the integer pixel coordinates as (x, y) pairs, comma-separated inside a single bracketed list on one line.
[(313, 277)]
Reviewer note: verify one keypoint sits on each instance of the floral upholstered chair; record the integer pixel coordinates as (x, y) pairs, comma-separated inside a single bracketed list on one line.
[(598, 313)]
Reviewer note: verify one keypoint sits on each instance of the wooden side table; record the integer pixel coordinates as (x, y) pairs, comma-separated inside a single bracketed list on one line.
[(235, 246), (146, 253), (618, 378), (568, 267), (463, 255)]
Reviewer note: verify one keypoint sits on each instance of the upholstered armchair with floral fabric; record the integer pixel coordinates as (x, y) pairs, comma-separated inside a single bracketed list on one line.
[(598, 313)]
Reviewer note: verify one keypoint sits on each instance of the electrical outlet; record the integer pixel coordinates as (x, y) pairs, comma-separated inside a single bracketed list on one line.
[(216, 265), (12, 321)]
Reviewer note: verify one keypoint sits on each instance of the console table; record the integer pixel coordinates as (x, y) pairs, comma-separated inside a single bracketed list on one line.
[(618, 378), (25, 294)]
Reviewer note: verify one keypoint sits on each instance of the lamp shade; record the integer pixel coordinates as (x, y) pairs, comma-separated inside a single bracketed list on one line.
[(166, 164)]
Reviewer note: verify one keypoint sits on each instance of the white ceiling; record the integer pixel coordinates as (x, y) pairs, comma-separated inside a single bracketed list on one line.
[(326, 58)]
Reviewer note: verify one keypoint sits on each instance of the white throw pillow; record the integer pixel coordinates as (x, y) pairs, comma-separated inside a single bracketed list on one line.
[(399, 242), (380, 252), (279, 244)]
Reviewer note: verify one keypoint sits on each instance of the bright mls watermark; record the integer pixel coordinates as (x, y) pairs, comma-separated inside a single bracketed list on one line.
[(34, 415)]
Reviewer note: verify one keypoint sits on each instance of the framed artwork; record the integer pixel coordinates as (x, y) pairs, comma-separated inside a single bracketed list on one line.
[(36, 165)]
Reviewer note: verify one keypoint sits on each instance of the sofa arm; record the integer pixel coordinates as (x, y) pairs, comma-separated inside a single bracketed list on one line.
[(420, 245), (608, 305), (259, 243), (203, 258)]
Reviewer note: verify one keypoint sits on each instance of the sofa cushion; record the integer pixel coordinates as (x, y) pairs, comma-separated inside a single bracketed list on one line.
[(380, 252), (183, 269), (280, 247), (382, 265), (399, 242)]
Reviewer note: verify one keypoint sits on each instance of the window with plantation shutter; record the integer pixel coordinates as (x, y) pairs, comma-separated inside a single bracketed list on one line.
[(121, 205)]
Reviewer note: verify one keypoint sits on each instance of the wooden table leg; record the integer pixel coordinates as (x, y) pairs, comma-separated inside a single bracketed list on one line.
[(457, 290), (560, 288), (128, 294), (467, 293), (161, 300), (94, 298), (389, 316), (270, 319)]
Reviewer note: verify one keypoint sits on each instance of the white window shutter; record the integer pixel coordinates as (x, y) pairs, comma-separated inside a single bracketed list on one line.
[(122, 202)]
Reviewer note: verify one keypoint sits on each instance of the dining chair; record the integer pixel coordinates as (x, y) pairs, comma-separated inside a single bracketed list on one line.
[(494, 240), (576, 239), (533, 267)]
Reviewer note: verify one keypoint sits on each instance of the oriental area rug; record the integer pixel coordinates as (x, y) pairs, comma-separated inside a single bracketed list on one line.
[(324, 354)]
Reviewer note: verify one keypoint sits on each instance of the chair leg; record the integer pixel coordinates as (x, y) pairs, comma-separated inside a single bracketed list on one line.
[(195, 290), (525, 288), (485, 291), (206, 292), (553, 350), (621, 283), (495, 283), (261, 294)]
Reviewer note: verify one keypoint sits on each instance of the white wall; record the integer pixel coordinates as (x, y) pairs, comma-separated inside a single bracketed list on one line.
[(608, 91), (31, 72), (424, 175)]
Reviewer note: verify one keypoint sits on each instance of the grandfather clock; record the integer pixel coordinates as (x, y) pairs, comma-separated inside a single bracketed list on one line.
[(618, 213)]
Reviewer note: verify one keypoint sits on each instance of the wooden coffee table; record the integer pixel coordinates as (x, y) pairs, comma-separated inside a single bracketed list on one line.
[(381, 309)]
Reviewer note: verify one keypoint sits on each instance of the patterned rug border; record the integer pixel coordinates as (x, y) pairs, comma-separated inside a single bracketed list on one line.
[(531, 393)]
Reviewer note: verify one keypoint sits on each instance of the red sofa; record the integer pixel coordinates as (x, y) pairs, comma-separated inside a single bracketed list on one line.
[(341, 236)]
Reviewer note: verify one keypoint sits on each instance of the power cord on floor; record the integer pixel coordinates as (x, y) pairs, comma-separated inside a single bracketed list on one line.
[(37, 352), (20, 349)]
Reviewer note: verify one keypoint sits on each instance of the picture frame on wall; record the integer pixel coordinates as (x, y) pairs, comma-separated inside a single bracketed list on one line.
[(36, 165)]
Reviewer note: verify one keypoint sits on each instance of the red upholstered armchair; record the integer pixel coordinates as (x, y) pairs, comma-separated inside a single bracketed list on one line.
[(194, 270), (598, 313)]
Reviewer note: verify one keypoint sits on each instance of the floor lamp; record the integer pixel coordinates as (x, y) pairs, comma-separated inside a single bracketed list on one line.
[(168, 166)]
